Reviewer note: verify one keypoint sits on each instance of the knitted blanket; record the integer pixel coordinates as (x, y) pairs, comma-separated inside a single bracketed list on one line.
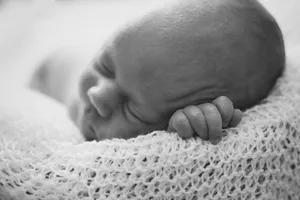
[(43, 156)]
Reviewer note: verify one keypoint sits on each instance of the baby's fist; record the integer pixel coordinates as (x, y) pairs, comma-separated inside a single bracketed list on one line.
[(205, 120)]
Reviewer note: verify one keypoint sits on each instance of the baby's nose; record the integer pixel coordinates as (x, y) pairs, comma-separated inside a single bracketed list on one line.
[(104, 98)]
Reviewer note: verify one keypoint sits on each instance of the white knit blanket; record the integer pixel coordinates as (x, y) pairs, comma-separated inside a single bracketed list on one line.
[(43, 156)]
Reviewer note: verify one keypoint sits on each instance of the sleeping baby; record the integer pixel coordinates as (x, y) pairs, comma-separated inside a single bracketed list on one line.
[(187, 67)]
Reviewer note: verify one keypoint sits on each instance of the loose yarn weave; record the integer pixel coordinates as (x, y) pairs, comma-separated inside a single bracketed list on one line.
[(42, 156)]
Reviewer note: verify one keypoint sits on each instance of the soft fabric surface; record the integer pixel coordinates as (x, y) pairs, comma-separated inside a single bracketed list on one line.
[(42, 156)]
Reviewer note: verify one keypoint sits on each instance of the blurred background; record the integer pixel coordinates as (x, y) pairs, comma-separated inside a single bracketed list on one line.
[(30, 30)]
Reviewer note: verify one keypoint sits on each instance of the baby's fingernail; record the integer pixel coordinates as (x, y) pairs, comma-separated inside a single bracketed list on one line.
[(216, 140)]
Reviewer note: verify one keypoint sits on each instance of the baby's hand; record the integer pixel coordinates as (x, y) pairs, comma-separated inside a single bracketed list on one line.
[(206, 120)]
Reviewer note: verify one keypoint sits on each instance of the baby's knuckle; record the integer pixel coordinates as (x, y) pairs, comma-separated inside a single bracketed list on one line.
[(224, 98), (196, 116), (199, 116), (223, 101), (210, 107), (175, 115), (189, 108)]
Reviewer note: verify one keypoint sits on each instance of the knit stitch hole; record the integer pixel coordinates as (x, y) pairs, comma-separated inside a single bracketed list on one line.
[(144, 160), (144, 190), (211, 172), (107, 191), (91, 173), (29, 193), (167, 189), (248, 169), (60, 179), (232, 189), (49, 175), (149, 179), (258, 192), (206, 165), (188, 186), (82, 194), (242, 187), (205, 195), (293, 166), (96, 196), (89, 182), (171, 176), (119, 190)]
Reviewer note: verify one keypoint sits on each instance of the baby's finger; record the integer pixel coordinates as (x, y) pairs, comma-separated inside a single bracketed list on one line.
[(180, 124), (236, 118), (214, 122), (226, 109), (197, 121)]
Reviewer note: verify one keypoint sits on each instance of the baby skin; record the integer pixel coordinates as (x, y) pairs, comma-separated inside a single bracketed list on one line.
[(188, 68)]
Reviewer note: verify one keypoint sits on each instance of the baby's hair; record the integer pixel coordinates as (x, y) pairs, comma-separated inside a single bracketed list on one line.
[(259, 54)]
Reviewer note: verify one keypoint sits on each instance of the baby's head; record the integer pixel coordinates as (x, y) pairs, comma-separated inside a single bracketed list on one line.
[(186, 53)]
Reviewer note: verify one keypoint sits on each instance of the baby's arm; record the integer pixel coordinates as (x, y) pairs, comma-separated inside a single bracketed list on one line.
[(206, 120), (57, 76)]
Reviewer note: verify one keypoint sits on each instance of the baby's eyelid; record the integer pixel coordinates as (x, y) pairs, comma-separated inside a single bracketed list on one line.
[(126, 105), (132, 113)]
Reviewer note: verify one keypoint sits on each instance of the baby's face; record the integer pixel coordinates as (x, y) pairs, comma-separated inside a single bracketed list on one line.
[(115, 100), (118, 97)]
